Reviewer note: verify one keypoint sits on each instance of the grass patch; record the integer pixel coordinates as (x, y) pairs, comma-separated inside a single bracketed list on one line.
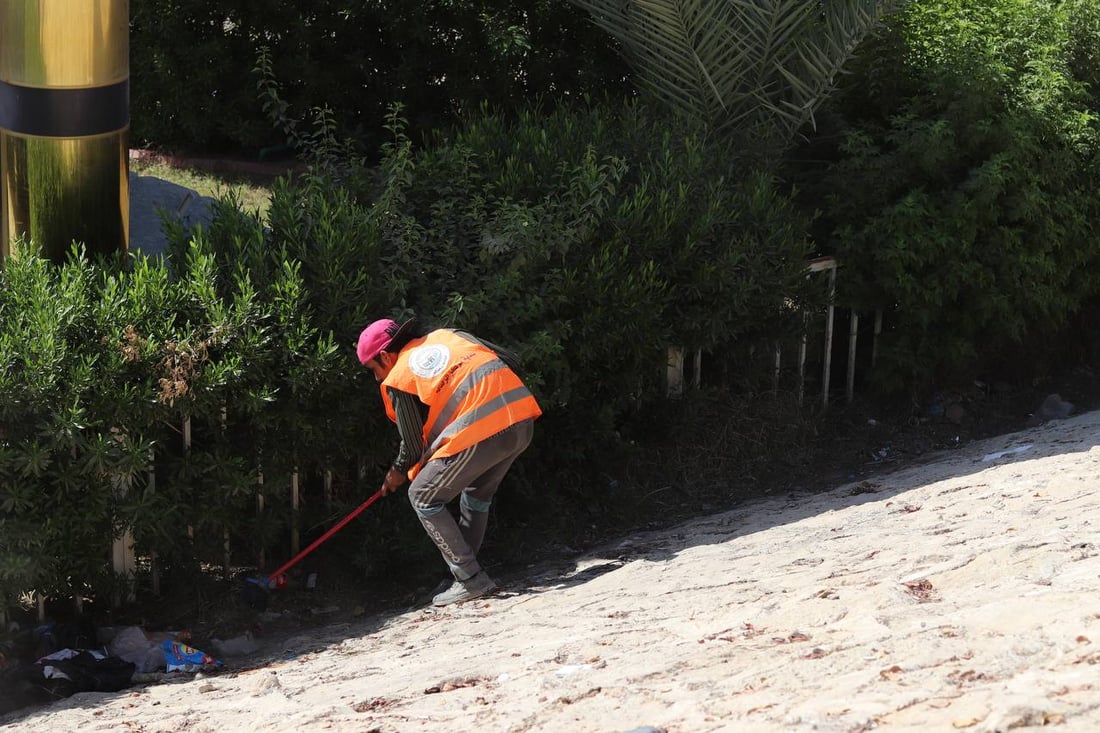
[(252, 190)]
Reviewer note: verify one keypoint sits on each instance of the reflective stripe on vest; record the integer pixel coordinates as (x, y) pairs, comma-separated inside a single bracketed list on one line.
[(486, 399), (448, 412), (497, 403)]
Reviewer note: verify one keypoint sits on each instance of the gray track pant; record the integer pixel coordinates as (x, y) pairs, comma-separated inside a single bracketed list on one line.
[(475, 474)]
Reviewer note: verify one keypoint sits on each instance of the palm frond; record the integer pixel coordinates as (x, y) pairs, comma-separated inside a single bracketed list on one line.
[(733, 63)]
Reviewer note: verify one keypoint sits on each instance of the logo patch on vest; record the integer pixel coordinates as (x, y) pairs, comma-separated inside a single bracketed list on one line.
[(429, 361)]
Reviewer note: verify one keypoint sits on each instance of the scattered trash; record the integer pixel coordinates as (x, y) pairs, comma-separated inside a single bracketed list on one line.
[(1008, 452), (58, 674), (93, 670), (1053, 408), (144, 678), (140, 647), (179, 657), (238, 646)]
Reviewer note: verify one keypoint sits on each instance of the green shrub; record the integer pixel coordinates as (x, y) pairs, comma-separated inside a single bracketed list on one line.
[(62, 453), (592, 239), (963, 196), (588, 240), (105, 366)]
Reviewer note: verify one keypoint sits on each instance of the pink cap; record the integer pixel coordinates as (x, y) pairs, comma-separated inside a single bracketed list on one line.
[(375, 338)]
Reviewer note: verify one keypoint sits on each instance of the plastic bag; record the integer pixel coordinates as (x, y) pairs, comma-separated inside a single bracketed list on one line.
[(179, 657), (138, 646)]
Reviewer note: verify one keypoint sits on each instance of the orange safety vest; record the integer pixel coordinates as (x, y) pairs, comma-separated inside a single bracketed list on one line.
[(470, 392)]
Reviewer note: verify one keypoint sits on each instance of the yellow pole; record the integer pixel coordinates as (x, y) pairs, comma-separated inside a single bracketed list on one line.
[(64, 125)]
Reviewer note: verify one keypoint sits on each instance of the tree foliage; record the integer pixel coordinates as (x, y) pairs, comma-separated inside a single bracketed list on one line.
[(190, 61), (963, 194)]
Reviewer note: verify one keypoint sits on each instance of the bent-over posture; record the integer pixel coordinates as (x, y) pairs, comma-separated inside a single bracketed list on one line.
[(464, 416)]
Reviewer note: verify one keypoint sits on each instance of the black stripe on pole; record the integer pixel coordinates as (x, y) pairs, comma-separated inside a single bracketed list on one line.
[(64, 112)]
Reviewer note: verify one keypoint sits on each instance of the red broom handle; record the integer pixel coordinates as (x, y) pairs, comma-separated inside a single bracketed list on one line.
[(336, 528)]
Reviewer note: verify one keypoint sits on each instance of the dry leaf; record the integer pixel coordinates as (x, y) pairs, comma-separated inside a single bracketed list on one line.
[(793, 637), (890, 672), (748, 631), (575, 698), (965, 722), (922, 589), (718, 636), (970, 675), (864, 487), (378, 703)]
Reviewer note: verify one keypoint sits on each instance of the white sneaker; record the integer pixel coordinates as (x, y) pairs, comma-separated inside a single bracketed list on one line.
[(466, 590), (440, 587)]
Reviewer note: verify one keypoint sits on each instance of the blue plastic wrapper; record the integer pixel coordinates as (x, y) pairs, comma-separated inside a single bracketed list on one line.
[(181, 658)]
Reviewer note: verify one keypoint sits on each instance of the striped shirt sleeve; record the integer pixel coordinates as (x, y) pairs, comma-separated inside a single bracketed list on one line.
[(410, 426)]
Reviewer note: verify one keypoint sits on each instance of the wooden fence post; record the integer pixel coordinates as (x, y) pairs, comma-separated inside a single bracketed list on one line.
[(261, 554), (186, 452), (829, 310), (154, 568), (295, 505), (675, 372), (853, 332), (819, 264), (123, 562)]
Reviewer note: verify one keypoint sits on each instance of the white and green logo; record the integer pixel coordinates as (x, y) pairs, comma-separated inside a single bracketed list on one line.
[(429, 361)]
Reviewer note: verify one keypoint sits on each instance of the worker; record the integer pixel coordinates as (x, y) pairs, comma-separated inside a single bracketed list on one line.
[(463, 416)]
